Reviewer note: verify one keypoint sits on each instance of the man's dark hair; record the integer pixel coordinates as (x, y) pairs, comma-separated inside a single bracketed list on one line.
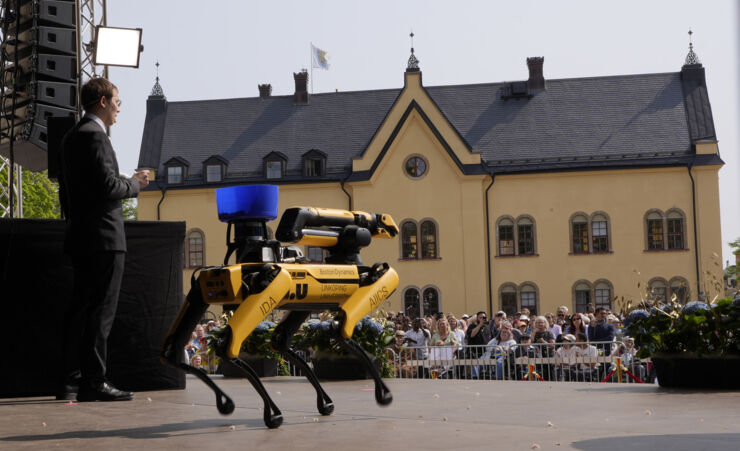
[(478, 314), (94, 90), (599, 309), (582, 336)]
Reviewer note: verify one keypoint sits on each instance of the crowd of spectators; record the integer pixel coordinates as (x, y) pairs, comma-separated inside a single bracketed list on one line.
[(574, 340)]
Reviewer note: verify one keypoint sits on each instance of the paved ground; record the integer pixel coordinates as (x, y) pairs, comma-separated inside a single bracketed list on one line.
[(426, 415)]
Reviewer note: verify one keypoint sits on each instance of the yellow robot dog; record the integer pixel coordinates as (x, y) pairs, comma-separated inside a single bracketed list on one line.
[(269, 276)]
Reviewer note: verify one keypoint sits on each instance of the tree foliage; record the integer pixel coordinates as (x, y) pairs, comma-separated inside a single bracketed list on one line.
[(40, 195)]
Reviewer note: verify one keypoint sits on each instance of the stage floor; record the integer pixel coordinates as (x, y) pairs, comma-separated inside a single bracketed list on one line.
[(425, 415)]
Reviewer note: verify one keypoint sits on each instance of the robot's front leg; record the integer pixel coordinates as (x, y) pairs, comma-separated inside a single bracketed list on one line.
[(174, 345), (281, 342)]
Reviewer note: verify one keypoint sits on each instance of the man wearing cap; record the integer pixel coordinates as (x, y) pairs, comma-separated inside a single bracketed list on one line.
[(400, 355)]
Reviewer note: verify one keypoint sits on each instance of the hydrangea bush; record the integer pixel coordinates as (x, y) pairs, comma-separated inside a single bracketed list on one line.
[(373, 335), (695, 328)]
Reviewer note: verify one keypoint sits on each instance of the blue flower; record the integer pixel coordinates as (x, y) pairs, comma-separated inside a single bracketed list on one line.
[(358, 326), (635, 315), (325, 326), (736, 301), (694, 307), (377, 328), (264, 326)]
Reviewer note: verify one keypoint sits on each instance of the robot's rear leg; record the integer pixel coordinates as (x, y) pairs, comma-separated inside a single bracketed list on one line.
[(383, 394), (173, 348), (272, 415), (281, 342)]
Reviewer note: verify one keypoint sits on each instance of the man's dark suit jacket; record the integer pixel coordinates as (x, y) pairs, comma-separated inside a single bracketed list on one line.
[(91, 189)]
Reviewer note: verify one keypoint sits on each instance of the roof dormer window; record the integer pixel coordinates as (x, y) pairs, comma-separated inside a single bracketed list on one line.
[(314, 163), (214, 169), (174, 174), (275, 165), (177, 169)]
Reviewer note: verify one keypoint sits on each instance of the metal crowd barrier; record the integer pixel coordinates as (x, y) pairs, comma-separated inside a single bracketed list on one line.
[(597, 362)]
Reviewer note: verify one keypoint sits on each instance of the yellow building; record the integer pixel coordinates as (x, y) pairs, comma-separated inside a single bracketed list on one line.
[(535, 194)]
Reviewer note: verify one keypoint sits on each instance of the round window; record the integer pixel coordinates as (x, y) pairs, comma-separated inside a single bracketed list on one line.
[(415, 166)]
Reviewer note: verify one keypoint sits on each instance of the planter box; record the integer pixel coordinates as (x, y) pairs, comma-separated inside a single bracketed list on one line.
[(263, 366), (335, 367), (684, 371)]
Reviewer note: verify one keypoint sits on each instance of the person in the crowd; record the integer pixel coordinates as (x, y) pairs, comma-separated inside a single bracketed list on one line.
[(552, 327), (523, 325), (602, 332), (627, 351), (400, 356), (523, 348), (499, 348), (455, 327), (576, 325), (496, 323), (196, 361), (566, 355), (478, 335), (197, 342), (443, 336), (588, 370), (418, 337)]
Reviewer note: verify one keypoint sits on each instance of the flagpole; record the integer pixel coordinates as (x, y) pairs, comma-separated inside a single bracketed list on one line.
[(310, 59)]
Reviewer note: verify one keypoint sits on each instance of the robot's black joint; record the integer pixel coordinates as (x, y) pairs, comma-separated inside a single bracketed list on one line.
[(369, 276), (256, 282)]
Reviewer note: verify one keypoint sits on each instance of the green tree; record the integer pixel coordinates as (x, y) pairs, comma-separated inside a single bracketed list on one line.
[(40, 195), (130, 212)]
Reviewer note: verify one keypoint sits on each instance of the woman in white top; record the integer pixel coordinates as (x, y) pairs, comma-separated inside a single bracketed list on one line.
[(499, 348)]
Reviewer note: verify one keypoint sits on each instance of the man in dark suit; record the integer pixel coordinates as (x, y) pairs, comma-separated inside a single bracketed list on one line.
[(90, 192)]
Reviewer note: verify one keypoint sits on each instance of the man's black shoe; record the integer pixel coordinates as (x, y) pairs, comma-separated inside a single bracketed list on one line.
[(103, 392)]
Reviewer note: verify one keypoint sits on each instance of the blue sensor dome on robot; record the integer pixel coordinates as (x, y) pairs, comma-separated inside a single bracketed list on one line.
[(247, 202)]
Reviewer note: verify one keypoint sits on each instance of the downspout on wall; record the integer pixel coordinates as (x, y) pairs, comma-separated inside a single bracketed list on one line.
[(164, 190), (349, 196), (700, 292), (488, 248)]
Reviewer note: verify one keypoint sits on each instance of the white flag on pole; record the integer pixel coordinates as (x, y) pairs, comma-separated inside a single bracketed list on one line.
[(319, 58)]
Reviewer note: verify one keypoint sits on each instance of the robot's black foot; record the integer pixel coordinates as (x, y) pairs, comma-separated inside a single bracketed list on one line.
[(324, 407), (224, 404), (383, 396), (273, 421)]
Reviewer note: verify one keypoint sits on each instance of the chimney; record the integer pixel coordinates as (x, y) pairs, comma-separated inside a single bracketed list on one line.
[(300, 97), (265, 90), (536, 79)]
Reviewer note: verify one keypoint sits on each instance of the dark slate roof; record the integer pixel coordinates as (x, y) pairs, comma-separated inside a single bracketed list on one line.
[(615, 121), (573, 118), (244, 131)]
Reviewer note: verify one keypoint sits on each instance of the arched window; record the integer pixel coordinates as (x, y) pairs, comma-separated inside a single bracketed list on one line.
[(194, 249), (675, 227), (525, 235), (506, 236), (428, 239), (602, 294), (430, 301), (679, 289), (411, 304), (654, 224), (409, 248), (600, 233), (582, 295), (528, 295), (657, 289), (507, 295), (579, 233)]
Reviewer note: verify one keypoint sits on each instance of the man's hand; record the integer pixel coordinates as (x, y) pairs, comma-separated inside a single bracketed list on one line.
[(142, 177)]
